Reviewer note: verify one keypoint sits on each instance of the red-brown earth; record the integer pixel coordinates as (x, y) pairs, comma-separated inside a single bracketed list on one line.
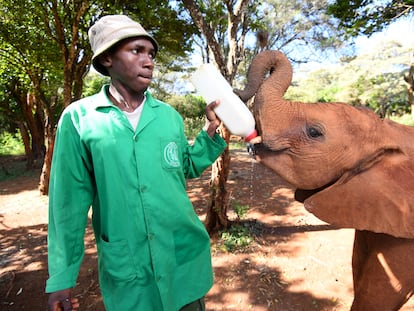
[(295, 261)]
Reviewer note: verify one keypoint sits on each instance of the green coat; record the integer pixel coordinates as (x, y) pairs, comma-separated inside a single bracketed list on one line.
[(154, 252)]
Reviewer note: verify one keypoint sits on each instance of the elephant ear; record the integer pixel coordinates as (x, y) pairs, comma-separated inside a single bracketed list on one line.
[(379, 198)]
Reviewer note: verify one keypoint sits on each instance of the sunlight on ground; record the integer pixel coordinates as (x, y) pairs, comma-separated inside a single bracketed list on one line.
[(293, 264)]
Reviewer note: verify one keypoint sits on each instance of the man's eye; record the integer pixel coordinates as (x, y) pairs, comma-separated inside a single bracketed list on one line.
[(142, 51)]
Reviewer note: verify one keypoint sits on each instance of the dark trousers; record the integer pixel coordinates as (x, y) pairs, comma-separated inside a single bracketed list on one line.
[(198, 305)]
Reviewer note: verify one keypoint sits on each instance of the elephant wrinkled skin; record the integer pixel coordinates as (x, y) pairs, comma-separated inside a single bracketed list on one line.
[(351, 169)]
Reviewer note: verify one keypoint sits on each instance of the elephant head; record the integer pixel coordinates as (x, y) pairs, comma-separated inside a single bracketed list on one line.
[(351, 168)]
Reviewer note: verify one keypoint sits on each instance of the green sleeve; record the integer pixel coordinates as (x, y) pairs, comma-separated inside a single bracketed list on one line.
[(202, 154), (71, 192)]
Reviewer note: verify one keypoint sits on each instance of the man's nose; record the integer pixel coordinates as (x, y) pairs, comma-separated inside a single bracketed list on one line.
[(148, 61)]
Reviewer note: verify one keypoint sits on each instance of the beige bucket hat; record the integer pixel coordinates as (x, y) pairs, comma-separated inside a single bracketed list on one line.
[(111, 29)]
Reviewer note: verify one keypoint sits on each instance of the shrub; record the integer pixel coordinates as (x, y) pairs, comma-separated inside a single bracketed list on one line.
[(11, 144), (237, 238)]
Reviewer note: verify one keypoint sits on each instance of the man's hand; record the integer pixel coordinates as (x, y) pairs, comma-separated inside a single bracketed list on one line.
[(62, 301), (212, 121)]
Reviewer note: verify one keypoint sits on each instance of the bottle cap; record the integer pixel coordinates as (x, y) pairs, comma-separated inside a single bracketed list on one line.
[(250, 136)]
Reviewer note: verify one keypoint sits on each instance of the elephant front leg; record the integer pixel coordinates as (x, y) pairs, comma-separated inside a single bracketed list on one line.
[(383, 272)]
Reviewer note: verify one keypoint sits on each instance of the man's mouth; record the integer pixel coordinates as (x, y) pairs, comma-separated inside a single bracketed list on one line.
[(148, 77)]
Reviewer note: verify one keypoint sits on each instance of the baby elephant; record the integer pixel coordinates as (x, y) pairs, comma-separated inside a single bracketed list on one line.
[(351, 169)]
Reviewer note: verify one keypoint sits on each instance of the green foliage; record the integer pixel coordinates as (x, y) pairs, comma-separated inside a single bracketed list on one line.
[(193, 126), (406, 119), (241, 210), (383, 99), (93, 84), (368, 16), (173, 32), (59, 44), (317, 86), (237, 238), (189, 106), (295, 27), (192, 109), (12, 167), (237, 144), (12, 160), (374, 79), (11, 144), (327, 94)]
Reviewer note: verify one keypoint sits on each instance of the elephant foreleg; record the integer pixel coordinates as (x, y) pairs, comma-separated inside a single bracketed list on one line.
[(383, 271)]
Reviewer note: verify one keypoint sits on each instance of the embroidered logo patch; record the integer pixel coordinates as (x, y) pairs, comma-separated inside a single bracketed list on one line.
[(171, 154)]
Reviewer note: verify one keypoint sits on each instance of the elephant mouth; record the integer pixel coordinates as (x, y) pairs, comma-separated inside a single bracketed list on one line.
[(301, 194), (255, 149), (260, 148)]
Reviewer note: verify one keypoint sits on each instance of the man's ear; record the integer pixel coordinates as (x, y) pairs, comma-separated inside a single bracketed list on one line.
[(105, 60)]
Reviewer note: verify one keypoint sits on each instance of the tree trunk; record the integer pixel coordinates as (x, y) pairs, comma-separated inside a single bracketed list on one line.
[(238, 25), (30, 124), (47, 164), (409, 79), (36, 127), (216, 218), (74, 59), (26, 142)]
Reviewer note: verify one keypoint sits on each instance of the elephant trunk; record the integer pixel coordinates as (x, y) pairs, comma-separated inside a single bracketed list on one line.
[(271, 68)]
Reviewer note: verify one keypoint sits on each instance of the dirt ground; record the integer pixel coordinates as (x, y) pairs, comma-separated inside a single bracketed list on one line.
[(295, 262)]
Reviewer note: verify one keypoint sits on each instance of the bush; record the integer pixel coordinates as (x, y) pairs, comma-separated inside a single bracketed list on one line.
[(192, 109), (193, 126), (11, 144), (237, 238)]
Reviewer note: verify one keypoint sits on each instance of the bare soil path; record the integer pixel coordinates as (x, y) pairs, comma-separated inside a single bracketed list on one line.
[(295, 262)]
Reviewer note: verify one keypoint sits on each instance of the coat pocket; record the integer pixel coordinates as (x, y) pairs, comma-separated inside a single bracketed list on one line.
[(116, 260)]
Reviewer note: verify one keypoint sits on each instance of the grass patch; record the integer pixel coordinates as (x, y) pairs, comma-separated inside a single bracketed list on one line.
[(236, 145), (13, 162), (16, 166), (241, 210), (236, 238)]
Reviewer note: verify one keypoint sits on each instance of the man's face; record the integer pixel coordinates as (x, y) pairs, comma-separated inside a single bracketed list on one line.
[(131, 63)]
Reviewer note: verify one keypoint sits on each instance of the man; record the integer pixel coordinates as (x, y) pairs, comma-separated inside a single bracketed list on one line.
[(125, 154)]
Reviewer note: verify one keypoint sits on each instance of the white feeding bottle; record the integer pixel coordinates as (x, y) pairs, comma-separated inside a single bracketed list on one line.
[(235, 115)]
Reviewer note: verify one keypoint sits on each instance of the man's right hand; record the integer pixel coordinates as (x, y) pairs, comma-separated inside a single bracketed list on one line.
[(62, 301)]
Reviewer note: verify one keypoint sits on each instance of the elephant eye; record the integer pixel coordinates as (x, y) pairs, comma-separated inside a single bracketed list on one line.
[(314, 132)]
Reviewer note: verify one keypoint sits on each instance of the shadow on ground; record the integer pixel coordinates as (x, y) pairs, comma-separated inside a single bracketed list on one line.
[(260, 277)]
